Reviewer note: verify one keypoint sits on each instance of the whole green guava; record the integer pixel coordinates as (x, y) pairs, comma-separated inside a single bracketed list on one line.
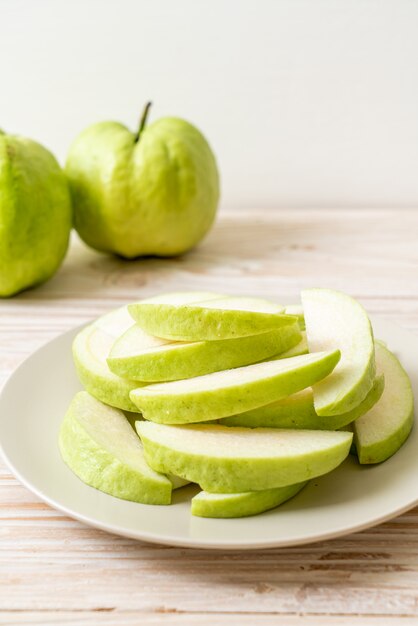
[(35, 214), (151, 193)]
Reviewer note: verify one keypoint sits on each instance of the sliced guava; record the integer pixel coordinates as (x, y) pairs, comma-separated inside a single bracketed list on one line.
[(233, 460), (227, 505), (98, 444), (139, 356), (229, 392), (335, 320), (297, 411), (380, 432), (219, 318)]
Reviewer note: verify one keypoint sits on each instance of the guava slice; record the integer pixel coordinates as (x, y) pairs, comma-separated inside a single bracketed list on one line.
[(139, 356), (297, 411), (234, 460), (229, 392), (91, 348), (98, 444), (219, 318), (380, 432), (227, 505), (335, 320)]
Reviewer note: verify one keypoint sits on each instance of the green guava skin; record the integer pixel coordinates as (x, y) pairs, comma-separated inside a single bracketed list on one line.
[(232, 505), (35, 214), (155, 196)]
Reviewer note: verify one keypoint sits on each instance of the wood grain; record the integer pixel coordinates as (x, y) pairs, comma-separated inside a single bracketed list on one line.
[(54, 570)]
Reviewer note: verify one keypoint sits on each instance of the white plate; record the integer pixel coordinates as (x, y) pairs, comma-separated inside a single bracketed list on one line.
[(351, 498)]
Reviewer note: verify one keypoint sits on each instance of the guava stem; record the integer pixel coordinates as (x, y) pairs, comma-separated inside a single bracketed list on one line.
[(143, 121)]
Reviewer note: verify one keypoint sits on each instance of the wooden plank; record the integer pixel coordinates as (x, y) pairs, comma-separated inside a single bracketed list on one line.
[(117, 618)]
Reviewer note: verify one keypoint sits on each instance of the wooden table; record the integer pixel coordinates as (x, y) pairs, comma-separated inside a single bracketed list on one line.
[(54, 570)]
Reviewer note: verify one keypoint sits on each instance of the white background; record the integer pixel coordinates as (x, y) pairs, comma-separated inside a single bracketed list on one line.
[(306, 102)]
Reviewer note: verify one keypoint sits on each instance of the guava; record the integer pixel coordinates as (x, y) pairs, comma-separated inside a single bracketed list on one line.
[(35, 214), (154, 192)]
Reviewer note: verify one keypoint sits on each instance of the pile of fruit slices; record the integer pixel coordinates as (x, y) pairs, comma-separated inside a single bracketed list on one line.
[(233, 394)]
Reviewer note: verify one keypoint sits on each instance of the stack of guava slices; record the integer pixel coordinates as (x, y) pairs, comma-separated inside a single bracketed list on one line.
[(244, 397)]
